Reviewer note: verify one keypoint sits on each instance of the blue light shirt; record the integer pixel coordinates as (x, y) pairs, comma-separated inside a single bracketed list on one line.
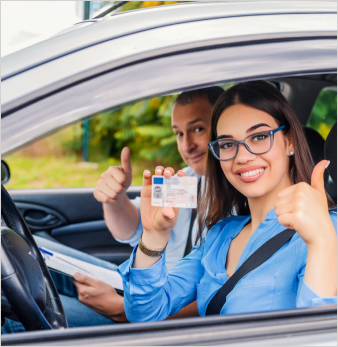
[(179, 235), (153, 294)]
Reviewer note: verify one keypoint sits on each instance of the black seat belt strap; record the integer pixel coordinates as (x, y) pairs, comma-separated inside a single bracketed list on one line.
[(256, 259), (188, 246)]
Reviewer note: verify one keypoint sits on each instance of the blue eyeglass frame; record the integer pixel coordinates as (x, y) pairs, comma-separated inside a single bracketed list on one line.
[(270, 132)]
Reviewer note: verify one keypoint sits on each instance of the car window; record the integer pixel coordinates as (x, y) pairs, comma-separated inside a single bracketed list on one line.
[(324, 111), (76, 156)]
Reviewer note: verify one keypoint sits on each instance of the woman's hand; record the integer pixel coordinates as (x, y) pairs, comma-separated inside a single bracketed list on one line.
[(304, 208), (157, 221), (100, 297)]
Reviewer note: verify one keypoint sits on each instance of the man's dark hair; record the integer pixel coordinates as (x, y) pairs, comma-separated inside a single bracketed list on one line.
[(212, 93)]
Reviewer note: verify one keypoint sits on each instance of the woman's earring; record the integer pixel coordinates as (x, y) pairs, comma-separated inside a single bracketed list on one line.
[(291, 153)]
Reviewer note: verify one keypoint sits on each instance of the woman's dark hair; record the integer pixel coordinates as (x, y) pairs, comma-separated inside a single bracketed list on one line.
[(220, 199)]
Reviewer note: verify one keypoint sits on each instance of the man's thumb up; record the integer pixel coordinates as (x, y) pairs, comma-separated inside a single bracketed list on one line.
[(126, 166), (317, 177)]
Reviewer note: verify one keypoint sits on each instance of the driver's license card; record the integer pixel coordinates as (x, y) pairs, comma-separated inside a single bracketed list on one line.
[(174, 191)]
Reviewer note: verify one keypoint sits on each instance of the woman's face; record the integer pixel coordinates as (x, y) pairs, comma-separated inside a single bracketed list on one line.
[(254, 175)]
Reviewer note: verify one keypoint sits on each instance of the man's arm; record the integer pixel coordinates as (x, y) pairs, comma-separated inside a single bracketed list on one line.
[(122, 219), (120, 214), (102, 298)]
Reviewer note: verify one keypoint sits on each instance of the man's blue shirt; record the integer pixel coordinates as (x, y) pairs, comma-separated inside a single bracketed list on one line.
[(155, 293)]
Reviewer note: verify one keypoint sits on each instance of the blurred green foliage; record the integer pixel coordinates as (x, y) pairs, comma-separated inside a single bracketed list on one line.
[(324, 112), (145, 127)]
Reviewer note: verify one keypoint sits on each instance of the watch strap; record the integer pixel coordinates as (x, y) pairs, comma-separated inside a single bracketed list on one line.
[(150, 252)]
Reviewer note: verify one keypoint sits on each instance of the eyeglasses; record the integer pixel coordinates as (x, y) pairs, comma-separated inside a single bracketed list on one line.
[(258, 143)]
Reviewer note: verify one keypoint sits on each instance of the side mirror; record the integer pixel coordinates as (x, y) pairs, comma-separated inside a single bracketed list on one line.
[(5, 173)]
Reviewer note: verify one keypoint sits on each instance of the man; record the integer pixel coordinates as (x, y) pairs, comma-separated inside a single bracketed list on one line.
[(191, 117), (191, 123)]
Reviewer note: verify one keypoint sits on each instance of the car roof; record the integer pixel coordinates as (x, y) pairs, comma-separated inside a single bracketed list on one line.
[(94, 31), (169, 59)]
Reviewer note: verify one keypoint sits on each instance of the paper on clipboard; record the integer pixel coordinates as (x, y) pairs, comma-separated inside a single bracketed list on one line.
[(68, 266)]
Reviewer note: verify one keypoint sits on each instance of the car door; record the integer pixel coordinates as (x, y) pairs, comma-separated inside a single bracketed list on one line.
[(72, 218)]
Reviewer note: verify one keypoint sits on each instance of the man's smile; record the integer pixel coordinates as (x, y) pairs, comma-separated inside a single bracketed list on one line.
[(196, 158)]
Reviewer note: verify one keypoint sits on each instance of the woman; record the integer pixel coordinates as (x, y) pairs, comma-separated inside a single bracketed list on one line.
[(255, 189)]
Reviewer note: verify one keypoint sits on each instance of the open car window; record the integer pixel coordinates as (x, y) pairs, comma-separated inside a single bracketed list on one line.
[(77, 155)]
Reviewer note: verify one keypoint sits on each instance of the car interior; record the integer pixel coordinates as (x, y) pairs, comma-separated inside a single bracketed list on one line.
[(74, 218)]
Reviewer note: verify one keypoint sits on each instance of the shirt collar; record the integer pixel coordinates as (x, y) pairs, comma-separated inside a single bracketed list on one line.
[(271, 215)]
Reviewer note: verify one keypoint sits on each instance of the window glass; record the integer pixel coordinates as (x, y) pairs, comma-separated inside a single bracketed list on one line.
[(324, 112), (77, 155)]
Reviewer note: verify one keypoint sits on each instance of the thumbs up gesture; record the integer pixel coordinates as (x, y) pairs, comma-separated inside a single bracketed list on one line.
[(113, 183), (304, 208)]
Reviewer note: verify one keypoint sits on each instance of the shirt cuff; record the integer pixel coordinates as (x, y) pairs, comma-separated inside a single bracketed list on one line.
[(143, 281), (308, 298)]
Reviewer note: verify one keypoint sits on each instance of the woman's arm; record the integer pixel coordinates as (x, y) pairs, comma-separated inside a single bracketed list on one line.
[(150, 292), (304, 208), (321, 264), (314, 277), (154, 294), (157, 222)]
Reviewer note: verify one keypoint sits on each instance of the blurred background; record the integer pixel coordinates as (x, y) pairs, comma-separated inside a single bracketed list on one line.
[(76, 156)]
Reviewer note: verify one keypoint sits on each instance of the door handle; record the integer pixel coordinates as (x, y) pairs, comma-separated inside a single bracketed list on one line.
[(40, 218), (48, 220)]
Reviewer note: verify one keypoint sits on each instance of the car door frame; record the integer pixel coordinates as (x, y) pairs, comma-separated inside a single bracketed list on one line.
[(275, 328), (288, 61)]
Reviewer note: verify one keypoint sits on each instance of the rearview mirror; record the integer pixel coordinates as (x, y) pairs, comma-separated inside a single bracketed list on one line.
[(5, 173)]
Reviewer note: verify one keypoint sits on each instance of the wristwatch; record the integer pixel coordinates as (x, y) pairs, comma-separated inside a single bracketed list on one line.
[(150, 252)]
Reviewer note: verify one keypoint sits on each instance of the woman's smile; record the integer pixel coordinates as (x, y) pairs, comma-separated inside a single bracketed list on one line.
[(250, 173)]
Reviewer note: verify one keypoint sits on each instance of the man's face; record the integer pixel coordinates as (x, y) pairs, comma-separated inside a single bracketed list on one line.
[(191, 125)]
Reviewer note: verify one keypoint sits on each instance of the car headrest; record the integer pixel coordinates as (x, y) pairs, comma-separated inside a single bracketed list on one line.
[(316, 144), (330, 152)]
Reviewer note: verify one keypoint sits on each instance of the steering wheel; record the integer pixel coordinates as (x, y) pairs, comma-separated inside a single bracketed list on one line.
[(28, 292)]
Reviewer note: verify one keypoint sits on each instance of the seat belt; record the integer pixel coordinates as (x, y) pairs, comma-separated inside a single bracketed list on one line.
[(188, 246), (256, 259)]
